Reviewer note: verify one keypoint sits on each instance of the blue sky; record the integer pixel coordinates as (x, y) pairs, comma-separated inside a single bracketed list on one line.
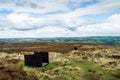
[(59, 18)]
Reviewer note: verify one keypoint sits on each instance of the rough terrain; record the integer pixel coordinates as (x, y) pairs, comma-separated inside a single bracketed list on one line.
[(83, 62)]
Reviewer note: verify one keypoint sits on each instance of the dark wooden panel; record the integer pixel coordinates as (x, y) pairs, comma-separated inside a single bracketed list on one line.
[(38, 59), (33, 60), (44, 55)]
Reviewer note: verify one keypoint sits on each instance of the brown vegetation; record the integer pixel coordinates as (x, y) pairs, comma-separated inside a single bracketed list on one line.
[(82, 61), (48, 46), (14, 74)]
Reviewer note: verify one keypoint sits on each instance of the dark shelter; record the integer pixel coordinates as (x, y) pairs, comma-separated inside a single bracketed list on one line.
[(38, 59)]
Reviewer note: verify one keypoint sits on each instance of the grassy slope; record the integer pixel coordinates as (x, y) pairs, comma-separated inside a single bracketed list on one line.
[(74, 65)]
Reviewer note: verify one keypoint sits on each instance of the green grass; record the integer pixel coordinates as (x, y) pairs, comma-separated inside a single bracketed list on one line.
[(92, 71), (50, 66), (70, 68)]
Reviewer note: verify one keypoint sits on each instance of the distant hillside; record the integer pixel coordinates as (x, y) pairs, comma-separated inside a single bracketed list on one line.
[(110, 40)]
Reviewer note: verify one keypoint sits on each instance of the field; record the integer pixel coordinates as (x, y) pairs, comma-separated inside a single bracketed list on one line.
[(109, 40), (79, 61)]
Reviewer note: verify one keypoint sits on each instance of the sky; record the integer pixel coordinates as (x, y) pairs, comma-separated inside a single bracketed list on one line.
[(59, 18)]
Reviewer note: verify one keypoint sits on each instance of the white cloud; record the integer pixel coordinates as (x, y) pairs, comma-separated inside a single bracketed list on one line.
[(48, 31), (25, 21), (17, 18), (110, 27), (47, 6), (104, 6), (22, 24), (37, 6), (20, 21), (107, 28)]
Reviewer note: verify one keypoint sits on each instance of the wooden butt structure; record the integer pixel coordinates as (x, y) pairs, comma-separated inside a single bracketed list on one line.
[(38, 59)]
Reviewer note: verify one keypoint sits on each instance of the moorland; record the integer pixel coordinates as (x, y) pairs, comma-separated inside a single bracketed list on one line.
[(68, 61)]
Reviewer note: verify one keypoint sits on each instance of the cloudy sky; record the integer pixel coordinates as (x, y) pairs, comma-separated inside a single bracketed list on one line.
[(59, 18)]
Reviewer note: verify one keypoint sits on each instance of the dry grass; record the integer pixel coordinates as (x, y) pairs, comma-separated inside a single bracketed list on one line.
[(89, 62)]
